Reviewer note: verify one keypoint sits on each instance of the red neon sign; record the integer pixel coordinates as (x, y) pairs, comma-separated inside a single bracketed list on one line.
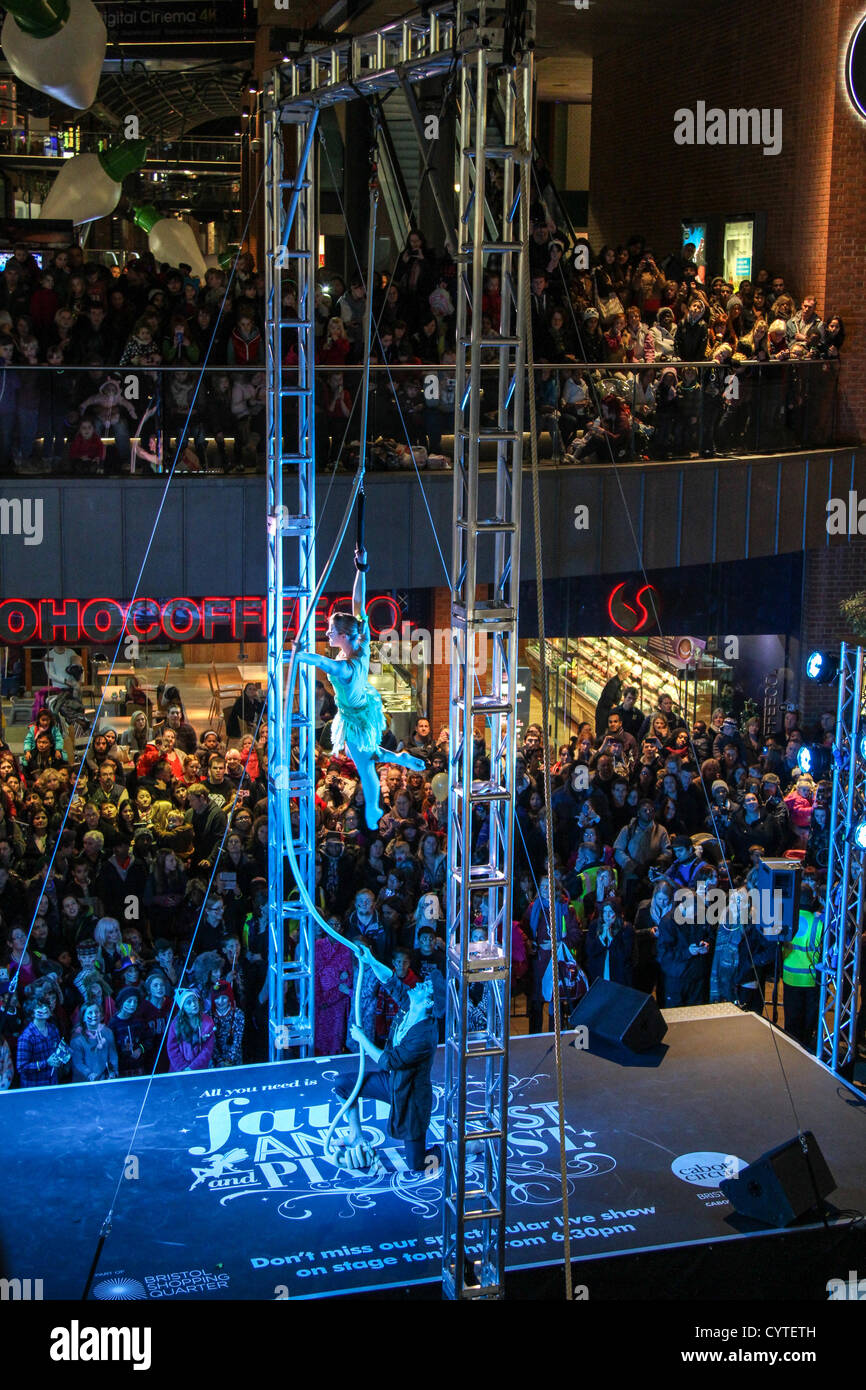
[(634, 619), (103, 620)]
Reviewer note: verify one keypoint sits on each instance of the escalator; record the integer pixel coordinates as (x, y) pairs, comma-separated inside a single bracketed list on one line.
[(401, 169)]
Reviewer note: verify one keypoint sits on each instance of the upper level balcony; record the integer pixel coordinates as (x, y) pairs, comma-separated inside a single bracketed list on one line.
[(608, 504)]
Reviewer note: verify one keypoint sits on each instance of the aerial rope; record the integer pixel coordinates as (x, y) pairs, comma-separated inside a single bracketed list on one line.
[(358, 733), (551, 909)]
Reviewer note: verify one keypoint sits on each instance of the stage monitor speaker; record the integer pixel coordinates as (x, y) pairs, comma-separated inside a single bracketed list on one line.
[(779, 1188), (618, 1014), (782, 877)]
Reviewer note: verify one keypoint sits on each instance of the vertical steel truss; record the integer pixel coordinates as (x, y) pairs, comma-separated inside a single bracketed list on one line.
[(290, 253), (475, 1125), (476, 1052), (843, 905), (293, 96)]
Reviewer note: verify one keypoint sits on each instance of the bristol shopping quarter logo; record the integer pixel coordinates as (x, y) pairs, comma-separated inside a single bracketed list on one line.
[(707, 1168), (119, 1290)]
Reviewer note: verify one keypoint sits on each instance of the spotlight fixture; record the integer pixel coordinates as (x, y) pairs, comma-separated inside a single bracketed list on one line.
[(245, 113), (804, 759), (822, 667), (860, 834)]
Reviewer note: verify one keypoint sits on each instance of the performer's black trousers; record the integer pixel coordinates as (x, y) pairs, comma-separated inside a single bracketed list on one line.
[(375, 1086)]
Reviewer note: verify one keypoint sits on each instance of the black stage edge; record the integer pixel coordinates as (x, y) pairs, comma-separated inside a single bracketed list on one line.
[(228, 1194)]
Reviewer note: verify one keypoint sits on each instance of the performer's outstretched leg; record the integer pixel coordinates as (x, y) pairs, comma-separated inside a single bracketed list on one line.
[(369, 778), (402, 759)]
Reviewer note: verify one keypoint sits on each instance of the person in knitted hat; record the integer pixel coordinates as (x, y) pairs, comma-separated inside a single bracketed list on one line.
[(128, 1028), (591, 338), (776, 812), (663, 331), (191, 1035), (718, 818)]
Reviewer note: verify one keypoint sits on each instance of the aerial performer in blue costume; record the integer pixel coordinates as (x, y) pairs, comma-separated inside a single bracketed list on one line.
[(360, 720)]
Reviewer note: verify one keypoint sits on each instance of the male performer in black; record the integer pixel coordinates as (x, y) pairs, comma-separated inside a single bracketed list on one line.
[(403, 1078)]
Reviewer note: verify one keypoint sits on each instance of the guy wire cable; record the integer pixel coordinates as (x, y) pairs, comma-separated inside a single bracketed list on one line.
[(596, 393), (552, 905), (124, 634), (107, 1221)]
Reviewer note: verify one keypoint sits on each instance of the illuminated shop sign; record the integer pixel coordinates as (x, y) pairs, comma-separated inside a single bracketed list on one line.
[(855, 69), (209, 619), (632, 615), (178, 20)]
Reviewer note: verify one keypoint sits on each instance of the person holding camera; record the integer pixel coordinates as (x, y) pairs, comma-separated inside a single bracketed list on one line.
[(43, 1055), (684, 951), (647, 284)]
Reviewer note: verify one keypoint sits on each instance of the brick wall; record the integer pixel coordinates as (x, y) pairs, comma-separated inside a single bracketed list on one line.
[(831, 575), (812, 192), (438, 683)]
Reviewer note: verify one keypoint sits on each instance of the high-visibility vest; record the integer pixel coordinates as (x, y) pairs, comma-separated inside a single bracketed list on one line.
[(589, 876), (803, 951)]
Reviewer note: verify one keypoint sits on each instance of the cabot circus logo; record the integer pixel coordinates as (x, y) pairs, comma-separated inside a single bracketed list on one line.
[(855, 69), (706, 1168), (631, 616)]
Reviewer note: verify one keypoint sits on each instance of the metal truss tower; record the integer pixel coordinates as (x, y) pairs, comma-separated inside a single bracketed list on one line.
[(482, 38), (486, 539), (843, 906), (291, 255)]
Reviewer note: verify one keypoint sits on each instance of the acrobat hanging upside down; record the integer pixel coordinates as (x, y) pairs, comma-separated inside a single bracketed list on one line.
[(360, 719)]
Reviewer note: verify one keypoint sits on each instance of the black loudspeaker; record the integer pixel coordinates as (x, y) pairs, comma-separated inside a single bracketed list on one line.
[(618, 1014), (779, 1188), (782, 877)]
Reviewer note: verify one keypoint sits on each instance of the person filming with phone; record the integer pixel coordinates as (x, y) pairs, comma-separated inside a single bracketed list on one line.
[(685, 951)]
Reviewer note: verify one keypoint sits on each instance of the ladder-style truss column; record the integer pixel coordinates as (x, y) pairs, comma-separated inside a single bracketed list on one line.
[(486, 540), (843, 905), (290, 256)]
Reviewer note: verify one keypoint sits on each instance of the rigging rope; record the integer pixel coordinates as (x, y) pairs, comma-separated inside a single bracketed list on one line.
[(357, 492), (105, 1228), (596, 394), (551, 915)]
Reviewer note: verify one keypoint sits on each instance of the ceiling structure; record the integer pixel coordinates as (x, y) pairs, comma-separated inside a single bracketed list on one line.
[(567, 37), (172, 103)]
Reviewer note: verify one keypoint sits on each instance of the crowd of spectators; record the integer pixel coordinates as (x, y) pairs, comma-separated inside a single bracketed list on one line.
[(165, 848), (142, 869), (657, 830), (634, 318)]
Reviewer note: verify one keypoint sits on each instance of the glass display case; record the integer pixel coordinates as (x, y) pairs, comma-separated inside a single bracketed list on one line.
[(402, 687), (580, 667)]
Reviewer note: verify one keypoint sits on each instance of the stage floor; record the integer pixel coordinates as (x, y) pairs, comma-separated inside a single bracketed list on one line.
[(227, 1193)]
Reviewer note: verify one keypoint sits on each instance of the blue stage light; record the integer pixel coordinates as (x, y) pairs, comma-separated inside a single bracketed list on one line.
[(804, 759), (860, 834), (822, 667), (863, 747), (814, 664)]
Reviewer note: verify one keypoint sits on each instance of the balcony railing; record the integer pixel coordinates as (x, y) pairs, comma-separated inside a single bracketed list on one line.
[(163, 153), (601, 413)]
